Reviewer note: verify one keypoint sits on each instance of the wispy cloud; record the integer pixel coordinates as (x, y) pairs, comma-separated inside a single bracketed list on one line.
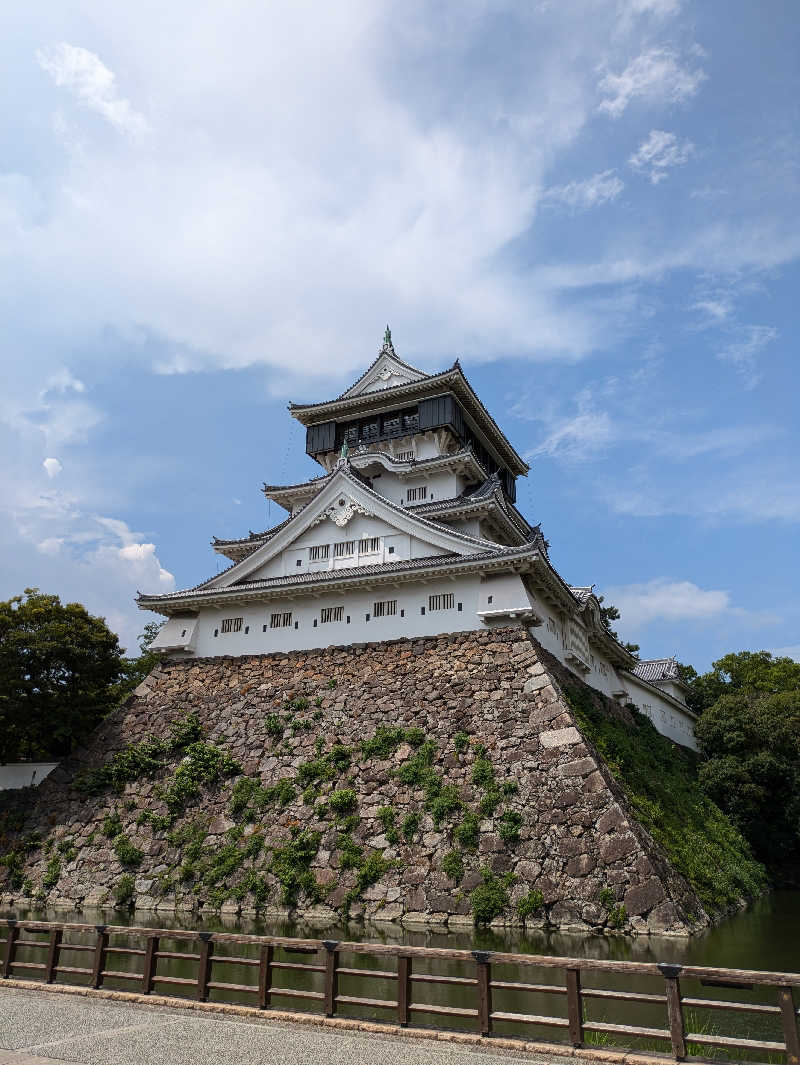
[(52, 467), (658, 153), (745, 349), (663, 599), (591, 192), (85, 75), (655, 76)]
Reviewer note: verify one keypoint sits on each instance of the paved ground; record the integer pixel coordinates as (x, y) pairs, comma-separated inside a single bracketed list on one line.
[(38, 1028)]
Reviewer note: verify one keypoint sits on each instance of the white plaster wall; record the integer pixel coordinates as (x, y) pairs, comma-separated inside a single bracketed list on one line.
[(24, 774), (410, 599), (441, 485), (667, 718)]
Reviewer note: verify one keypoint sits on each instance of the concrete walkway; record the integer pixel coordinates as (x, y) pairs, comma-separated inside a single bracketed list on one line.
[(38, 1027)]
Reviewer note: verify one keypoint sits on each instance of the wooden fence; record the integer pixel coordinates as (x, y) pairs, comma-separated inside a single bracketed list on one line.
[(411, 970)]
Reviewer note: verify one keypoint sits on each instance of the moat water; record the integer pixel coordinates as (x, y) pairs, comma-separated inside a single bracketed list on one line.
[(766, 936)]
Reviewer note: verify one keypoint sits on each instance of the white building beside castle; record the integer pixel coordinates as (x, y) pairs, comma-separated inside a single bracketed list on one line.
[(410, 531)]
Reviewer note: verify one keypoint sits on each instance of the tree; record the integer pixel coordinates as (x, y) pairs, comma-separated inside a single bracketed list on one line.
[(749, 738), (608, 614), (59, 666)]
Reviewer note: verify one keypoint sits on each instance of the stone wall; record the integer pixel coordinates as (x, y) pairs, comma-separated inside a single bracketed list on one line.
[(578, 841)]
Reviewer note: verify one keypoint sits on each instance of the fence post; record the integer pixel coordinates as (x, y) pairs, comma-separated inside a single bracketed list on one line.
[(403, 989), (484, 974), (789, 1019), (204, 965), (11, 946), (99, 955), (331, 975), (575, 1007), (150, 962), (53, 948), (674, 1009), (265, 976)]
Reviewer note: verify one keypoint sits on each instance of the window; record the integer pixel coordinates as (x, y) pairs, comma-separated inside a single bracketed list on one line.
[(405, 456), (392, 424), (331, 613), (385, 609), (232, 624), (413, 494), (280, 621), (446, 601), (299, 562), (370, 431), (351, 434), (319, 553), (344, 549), (369, 546)]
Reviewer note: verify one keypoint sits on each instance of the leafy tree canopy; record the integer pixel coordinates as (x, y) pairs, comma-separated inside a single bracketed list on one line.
[(59, 667), (754, 672)]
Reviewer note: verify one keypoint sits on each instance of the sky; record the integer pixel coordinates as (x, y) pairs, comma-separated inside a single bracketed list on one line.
[(207, 211)]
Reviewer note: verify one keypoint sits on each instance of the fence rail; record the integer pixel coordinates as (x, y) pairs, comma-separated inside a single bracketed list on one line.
[(208, 953)]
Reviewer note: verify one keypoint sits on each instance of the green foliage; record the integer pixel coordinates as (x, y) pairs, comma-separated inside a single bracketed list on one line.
[(386, 740), (416, 770), (753, 673), (326, 767), (203, 764), (222, 864), (291, 867), (297, 705), (124, 891), (52, 873), (490, 800), (372, 868), (158, 822), (343, 801), (617, 917), (510, 824), (750, 741), (274, 727), (483, 772), (59, 666), (660, 782), (490, 898), (606, 898), (112, 826), (467, 833), (410, 826), (453, 866), (460, 742), (530, 904), (387, 815), (67, 848), (350, 854), (444, 804), (126, 852)]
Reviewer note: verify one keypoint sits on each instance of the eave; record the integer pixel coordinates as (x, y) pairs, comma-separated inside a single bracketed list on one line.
[(450, 380), (313, 584)]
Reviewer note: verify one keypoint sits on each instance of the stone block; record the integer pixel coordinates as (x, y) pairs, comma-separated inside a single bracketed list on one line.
[(562, 737), (644, 897), (617, 847)]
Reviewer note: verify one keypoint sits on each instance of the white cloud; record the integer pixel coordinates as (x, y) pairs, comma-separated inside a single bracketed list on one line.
[(656, 76), (85, 75), (662, 599), (50, 546), (52, 467), (581, 195), (658, 153), (744, 350)]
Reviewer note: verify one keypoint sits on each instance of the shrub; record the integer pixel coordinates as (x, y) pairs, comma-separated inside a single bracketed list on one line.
[(291, 867), (460, 742), (158, 822), (350, 854), (281, 792), (387, 815), (203, 764), (410, 826), (606, 898), (617, 917), (483, 772), (447, 802), (52, 873), (274, 727), (112, 825), (371, 870), (416, 771), (490, 898), (453, 866), (490, 800), (467, 833), (126, 853), (386, 740), (343, 801), (530, 903), (510, 824), (124, 891)]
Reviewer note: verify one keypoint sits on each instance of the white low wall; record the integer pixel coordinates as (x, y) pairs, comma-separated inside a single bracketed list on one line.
[(24, 774)]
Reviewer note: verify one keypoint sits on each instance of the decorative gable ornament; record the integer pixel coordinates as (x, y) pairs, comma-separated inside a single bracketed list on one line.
[(341, 512)]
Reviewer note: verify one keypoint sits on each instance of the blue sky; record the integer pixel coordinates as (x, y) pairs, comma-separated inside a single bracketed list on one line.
[(207, 211)]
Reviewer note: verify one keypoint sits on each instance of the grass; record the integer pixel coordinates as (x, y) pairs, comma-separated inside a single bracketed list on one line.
[(661, 785)]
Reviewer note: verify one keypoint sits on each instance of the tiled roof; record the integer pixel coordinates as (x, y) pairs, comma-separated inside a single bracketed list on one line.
[(582, 593), (329, 576), (655, 669)]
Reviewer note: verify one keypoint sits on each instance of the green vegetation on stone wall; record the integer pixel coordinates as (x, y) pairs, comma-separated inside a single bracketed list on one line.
[(661, 785)]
